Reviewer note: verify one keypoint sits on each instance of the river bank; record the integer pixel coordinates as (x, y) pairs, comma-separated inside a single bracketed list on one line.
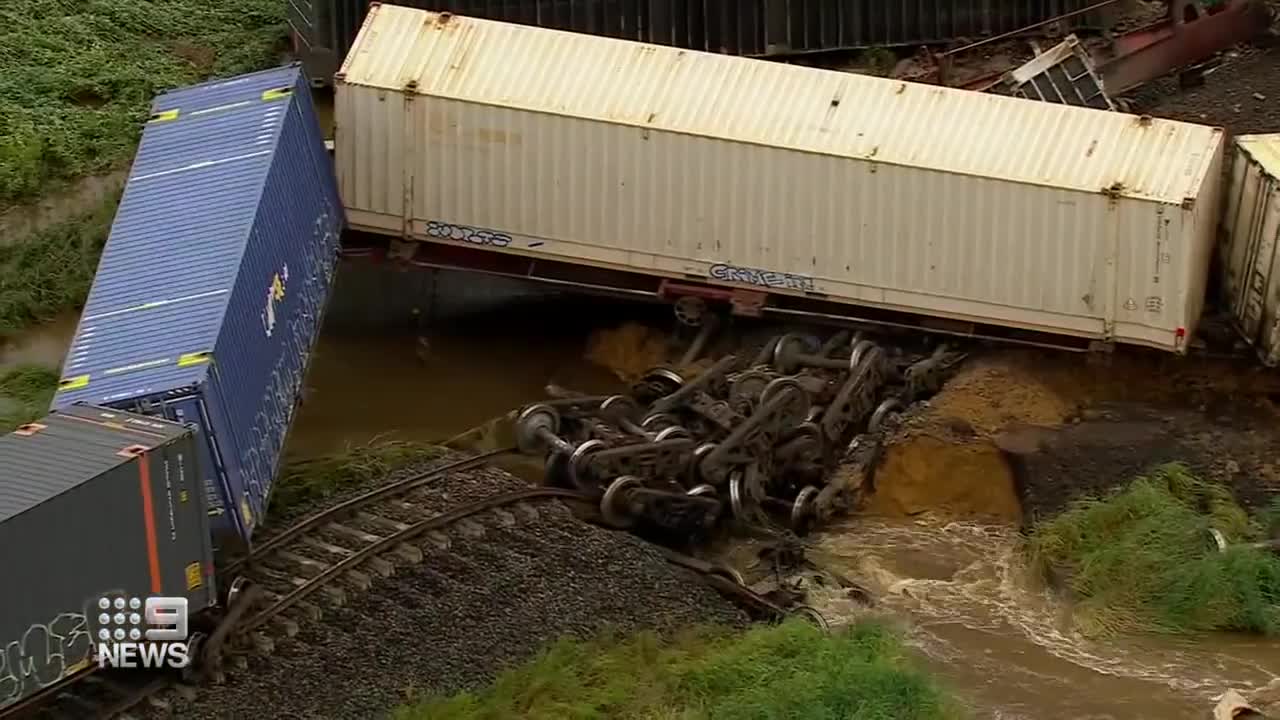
[(1008, 447)]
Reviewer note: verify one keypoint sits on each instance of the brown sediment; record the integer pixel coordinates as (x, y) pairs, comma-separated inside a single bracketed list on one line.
[(628, 350), (945, 460), (944, 476)]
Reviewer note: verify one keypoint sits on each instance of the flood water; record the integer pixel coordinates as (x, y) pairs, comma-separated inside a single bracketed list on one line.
[(996, 635), (426, 356), (419, 355)]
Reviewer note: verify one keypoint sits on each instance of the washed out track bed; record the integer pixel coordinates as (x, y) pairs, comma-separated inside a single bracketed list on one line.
[(435, 582)]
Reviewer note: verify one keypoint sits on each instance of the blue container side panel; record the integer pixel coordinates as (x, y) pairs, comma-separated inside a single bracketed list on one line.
[(238, 91), (159, 304), (274, 316)]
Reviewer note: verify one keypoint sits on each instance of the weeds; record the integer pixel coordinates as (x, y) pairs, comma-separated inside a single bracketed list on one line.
[(25, 393), (319, 478), (50, 272), (79, 75), (792, 670), (1144, 559)]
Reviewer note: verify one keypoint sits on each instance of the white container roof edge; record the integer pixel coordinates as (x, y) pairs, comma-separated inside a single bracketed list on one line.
[(1264, 149), (779, 105)]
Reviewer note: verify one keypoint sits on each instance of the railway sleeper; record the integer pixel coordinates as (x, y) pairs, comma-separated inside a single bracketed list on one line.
[(358, 580), (365, 538), (385, 523), (408, 553), (327, 548), (308, 566), (287, 626), (380, 566), (263, 643)]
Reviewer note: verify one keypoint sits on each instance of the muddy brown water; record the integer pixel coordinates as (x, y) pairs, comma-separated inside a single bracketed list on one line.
[(1003, 642), (398, 361)]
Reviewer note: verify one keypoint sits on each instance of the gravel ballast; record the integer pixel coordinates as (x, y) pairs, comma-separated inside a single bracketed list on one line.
[(508, 584)]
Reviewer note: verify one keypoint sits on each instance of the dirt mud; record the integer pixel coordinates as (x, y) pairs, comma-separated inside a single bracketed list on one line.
[(628, 350), (1016, 436)]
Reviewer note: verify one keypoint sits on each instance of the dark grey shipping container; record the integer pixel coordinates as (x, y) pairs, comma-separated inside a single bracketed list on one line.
[(93, 502), (324, 29)]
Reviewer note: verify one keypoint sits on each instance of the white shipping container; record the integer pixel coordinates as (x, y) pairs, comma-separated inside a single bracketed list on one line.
[(1252, 235), (777, 177)]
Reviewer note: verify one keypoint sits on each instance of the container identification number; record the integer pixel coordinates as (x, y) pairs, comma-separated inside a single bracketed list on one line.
[(462, 233)]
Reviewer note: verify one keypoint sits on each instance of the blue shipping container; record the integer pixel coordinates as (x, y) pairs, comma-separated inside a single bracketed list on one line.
[(211, 289)]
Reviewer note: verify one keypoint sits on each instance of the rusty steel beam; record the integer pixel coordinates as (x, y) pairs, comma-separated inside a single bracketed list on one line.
[(1179, 41)]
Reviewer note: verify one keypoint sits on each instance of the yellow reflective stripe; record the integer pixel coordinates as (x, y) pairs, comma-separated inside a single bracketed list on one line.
[(74, 383), (165, 116), (277, 93), (196, 358)]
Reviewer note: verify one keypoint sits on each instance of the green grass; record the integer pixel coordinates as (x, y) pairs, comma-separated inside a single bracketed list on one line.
[(788, 671), (322, 477), (1142, 559), (79, 75), (25, 393), (50, 273)]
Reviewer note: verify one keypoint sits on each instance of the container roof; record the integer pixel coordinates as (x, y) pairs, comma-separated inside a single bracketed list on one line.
[(175, 248), (780, 105), (73, 447), (1265, 149)]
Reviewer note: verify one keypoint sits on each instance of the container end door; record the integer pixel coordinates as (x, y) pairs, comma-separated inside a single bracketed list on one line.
[(1258, 236), (219, 495), (1269, 258)]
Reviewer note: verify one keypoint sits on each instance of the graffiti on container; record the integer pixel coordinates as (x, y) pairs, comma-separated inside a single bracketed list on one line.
[(763, 278), (462, 233), (260, 455), (43, 655), (275, 294)]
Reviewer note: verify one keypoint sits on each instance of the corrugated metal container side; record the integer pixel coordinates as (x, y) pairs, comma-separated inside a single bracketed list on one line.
[(1251, 252), (211, 288), (93, 502), (324, 29), (860, 189)]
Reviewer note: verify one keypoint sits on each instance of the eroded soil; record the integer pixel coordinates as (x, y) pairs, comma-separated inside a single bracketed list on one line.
[(1017, 435)]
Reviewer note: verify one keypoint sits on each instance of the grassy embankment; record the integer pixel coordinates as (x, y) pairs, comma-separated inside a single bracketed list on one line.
[(792, 670), (41, 277), (79, 76), (77, 83), (1143, 559), (314, 479)]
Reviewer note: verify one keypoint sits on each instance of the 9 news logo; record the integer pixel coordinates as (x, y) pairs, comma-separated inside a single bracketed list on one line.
[(137, 633)]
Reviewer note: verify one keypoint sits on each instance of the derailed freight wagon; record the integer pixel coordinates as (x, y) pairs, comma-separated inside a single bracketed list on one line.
[(210, 292), (94, 503), (789, 182), (1251, 253), (323, 30)]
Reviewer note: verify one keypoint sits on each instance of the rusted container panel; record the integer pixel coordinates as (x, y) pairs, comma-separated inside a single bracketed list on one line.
[(816, 25), (1251, 253), (796, 180), (324, 29)]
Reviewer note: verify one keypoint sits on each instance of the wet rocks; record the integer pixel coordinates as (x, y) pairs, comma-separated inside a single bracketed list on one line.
[(489, 601)]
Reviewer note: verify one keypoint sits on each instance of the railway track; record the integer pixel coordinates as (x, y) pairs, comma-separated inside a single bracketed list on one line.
[(321, 562)]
